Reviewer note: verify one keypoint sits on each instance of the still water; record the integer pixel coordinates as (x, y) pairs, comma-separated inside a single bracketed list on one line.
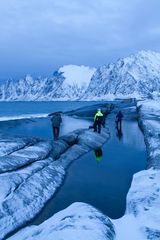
[(102, 181), (8, 109), (11, 112)]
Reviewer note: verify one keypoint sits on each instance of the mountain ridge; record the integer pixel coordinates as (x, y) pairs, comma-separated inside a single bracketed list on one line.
[(137, 75)]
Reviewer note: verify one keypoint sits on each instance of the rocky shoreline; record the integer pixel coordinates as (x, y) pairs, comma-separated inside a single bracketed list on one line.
[(141, 220)]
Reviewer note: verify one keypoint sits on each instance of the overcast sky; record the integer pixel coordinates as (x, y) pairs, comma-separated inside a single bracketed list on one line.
[(38, 36)]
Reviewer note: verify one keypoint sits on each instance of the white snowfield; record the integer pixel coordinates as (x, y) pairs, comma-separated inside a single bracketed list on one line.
[(32, 169), (79, 76), (24, 116)]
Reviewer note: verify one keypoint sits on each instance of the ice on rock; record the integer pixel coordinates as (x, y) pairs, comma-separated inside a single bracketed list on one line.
[(142, 217), (149, 120), (30, 176), (9, 145), (78, 221), (25, 156), (29, 197), (143, 199), (89, 141), (143, 202)]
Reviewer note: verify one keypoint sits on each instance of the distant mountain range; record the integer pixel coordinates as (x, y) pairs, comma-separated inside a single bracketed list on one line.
[(134, 76), (137, 76)]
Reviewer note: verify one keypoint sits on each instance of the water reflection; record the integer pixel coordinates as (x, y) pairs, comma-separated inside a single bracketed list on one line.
[(119, 133), (132, 137), (98, 154)]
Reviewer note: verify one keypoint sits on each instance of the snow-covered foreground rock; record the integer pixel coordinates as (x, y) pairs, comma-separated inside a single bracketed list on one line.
[(149, 112), (31, 171), (143, 202), (78, 221), (142, 218)]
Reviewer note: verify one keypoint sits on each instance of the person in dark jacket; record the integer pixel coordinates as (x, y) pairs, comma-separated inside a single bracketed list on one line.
[(98, 121), (56, 122), (119, 117)]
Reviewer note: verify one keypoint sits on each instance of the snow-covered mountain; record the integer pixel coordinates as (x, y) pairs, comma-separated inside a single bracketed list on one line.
[(69, 82), (137, 75), (75, 81)]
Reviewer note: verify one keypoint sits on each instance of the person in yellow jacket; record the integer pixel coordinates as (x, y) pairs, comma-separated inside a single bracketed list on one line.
[(99, 154), (98, 121)]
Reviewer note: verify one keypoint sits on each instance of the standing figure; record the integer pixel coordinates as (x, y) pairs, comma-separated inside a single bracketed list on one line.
[(98, 121), (119, 117), (56, 121)]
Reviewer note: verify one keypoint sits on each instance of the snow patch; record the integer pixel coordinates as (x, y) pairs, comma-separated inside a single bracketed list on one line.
[(24, 116), (77, 75)]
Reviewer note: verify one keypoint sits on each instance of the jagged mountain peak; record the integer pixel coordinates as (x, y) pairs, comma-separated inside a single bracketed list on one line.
[(68, 82), (136, 75)]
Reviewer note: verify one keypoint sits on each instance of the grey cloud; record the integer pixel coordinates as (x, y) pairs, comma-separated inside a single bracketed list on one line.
[(38, 36)]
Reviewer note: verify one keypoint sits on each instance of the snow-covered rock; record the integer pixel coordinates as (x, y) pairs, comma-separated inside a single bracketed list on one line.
[(143, 202), (137, 75), (78, 221), (8, 144), (25, 156), (149, 120), (142, 215), (30, 175)]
